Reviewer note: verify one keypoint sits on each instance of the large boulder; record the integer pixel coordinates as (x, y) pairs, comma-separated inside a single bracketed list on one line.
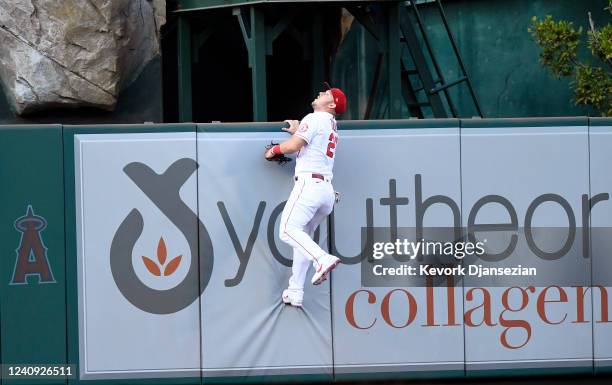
[(72, 53)]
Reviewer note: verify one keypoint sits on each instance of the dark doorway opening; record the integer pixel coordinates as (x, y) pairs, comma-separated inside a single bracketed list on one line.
[(221, 77)]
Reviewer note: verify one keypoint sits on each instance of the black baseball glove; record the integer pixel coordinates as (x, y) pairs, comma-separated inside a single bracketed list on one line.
[(273, 156)]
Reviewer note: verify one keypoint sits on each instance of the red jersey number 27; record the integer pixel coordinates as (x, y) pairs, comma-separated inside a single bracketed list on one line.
[(331, 147)]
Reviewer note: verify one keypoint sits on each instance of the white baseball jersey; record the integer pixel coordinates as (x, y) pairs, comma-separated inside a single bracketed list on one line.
[(319, 131), (311, 199)]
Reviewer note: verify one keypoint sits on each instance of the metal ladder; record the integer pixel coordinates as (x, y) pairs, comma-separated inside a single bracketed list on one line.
[(421, 85), (433, 87)]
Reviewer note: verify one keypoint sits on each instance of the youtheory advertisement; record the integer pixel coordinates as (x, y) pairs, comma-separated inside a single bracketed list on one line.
[(246, 191)]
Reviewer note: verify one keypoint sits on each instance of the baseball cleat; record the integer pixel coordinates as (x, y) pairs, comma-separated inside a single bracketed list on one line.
[(324, 278), (293, 297), (324, 268)]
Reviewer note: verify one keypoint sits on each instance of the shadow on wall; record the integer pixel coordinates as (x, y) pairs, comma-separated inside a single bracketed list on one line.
[(140, 102)]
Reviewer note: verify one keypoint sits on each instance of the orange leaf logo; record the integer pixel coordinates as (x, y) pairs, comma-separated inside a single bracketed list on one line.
[(173, 265), (161, 251), (162, 254), (151, 266)]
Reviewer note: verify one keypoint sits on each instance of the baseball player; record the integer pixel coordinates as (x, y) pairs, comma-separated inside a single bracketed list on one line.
[(315, 139)]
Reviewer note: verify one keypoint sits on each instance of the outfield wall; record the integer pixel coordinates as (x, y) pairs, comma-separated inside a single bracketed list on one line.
[(151, 253)]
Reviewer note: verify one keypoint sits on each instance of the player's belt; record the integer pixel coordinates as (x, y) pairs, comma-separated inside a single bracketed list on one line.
[(313, 175), (318, 176)]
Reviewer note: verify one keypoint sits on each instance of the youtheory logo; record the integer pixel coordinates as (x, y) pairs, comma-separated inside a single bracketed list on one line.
[(163, 190)]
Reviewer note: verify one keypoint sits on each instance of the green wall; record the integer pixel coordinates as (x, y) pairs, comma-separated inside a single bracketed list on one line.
[(500, 56), (33, 313), (38, 320)]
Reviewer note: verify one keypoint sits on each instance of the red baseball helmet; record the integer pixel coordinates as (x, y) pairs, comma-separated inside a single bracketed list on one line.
[(339, 98)]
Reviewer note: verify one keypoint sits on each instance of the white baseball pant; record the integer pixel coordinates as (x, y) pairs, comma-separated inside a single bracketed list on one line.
[(311, 200)]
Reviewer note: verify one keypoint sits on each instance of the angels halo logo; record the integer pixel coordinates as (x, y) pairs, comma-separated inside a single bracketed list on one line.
[(163, 190), (32, 253)]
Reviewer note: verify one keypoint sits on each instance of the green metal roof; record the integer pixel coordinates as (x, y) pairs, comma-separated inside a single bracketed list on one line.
[(192, 5)]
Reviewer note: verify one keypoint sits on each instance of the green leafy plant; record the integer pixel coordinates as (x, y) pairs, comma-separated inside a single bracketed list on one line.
[(559, 42)]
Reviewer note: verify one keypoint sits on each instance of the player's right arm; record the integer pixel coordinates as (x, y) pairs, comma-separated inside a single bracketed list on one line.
[(293, 126), (302, 133)]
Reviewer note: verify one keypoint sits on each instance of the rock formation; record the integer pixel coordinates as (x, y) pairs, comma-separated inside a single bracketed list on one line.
[(71, 53)]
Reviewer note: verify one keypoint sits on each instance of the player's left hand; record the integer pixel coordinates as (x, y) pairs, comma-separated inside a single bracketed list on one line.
[(269, 155), (272, 156), (293, 126)]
